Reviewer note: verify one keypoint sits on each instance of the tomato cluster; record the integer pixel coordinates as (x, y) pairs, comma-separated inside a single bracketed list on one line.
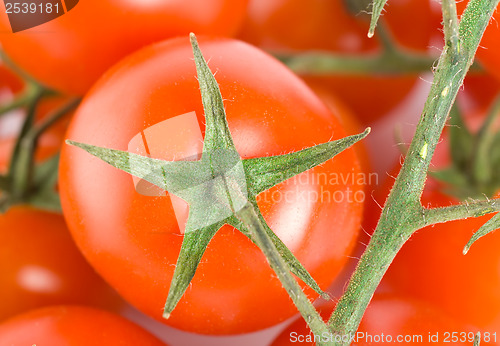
[(84, 238)]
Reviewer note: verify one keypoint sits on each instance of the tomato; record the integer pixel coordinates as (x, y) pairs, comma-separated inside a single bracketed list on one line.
[(41, 265), (326, 25), (348, 120), (75, 326), (390, 318), (478, 93), (269, 111), (73, 50)]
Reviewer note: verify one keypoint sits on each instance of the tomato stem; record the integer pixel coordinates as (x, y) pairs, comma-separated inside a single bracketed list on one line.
[(403, 213), (23, 186), (451, 34), (249, 217), (388, 61), (24, 99)]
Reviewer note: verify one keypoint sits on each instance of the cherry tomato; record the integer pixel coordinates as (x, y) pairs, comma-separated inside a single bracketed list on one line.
[(389, 318), (75, 326), (348, 120), (73, 50), (477, 94), (269, 111), (41, 265), (332, 26)]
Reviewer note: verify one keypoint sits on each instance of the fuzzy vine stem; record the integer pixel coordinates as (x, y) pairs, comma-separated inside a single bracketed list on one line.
[(403, 213), (461, 211), (450, 20), (392, 60), (248, 216)]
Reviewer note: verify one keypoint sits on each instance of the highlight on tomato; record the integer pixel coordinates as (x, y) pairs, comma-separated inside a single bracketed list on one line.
[(73, 325), (74, 49), (341, 27), (269, 111)]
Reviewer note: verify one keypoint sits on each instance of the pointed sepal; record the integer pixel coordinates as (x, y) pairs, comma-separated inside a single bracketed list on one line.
[(490, 226), (217, 134), (171, 176), (377, 7), (266, 172), (193, 247)]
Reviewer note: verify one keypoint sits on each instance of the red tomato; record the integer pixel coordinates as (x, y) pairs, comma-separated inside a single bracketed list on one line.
[(477, 94), (75, 326), (270, 111), (41, 265), (73, 50), (390, 319), (348, 120), (330, 26)]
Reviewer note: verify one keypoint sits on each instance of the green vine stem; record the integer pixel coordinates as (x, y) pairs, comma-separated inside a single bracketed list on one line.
[(391, 60), (23, 159), (30, 93), (248, 216), (403, 213), (26, 182)]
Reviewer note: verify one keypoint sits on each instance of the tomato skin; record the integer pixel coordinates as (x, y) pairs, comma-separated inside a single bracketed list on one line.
[(41, 265), (329, 26), (270, 111), (349, 121), (477, 94), (73, 50), (10, 83), (75, 326), (390, 315)]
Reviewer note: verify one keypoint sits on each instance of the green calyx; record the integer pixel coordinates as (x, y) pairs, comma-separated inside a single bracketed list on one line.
[(221, 187), (475, 167)]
